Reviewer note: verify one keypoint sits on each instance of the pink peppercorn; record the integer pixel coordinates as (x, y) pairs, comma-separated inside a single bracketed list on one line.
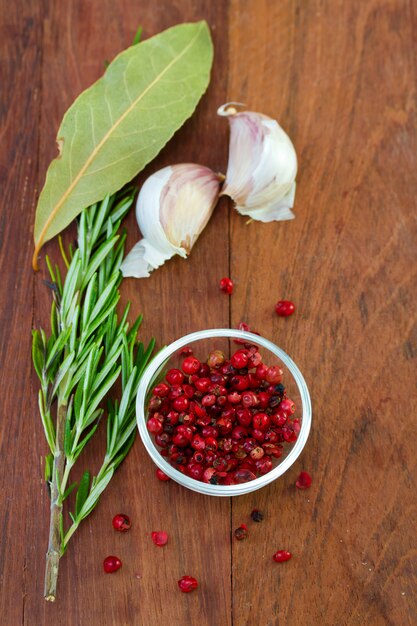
[(160, 538), (281, 555), (187, 584), (226, 285), (303, 481), (284, 308)]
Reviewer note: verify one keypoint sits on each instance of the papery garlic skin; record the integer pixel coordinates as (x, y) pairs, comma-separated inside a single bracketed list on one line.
[(173, 207), (262, 166)]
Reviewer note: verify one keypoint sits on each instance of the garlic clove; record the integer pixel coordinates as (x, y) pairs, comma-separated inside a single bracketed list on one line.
[(187, 203), (142, 259), (173, 207), (262, 166)]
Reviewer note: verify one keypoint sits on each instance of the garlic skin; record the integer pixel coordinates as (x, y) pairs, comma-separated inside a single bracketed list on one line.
[(173, 207), (262, 166)]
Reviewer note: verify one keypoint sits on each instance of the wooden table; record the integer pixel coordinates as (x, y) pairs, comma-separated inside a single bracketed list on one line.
[(341, 78)]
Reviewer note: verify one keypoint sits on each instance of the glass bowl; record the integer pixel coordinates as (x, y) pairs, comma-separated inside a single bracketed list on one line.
[(201, 343)]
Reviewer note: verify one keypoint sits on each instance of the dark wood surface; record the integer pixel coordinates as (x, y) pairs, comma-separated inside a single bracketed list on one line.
[(341, 78)]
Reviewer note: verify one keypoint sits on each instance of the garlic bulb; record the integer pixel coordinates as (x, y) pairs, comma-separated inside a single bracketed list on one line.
[(262, 166), (173, 207)]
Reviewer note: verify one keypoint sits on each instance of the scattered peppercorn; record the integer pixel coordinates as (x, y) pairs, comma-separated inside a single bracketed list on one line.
[(303, 481), (241, 532), (257, 515), (226, 285), (284, 308), (160, 538), (187, 584), (161, 475), (186, 351), (281, 555), (111, 564), (121, 522)]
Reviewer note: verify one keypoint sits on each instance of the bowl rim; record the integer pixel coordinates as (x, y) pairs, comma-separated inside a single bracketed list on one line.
[(196, 485)]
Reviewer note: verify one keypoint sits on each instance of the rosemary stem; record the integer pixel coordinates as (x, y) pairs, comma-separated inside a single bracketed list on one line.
[(54, 546), (68, 468)]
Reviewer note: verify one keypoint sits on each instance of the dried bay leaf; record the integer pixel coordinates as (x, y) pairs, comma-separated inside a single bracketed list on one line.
[(120, 123)]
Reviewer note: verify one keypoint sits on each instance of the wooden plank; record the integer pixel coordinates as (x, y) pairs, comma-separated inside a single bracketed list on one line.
[(340, 77), (21, 32), (78, 37)]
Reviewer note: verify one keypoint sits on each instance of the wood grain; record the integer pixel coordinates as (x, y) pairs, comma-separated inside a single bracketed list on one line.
[(341, 79), (345, 90)]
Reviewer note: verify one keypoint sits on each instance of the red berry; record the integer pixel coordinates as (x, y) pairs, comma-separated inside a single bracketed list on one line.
[(186, 351), (240, 383), (215, 358), (224, 425), (121, 522), (161, 475), (240, 359), (190, 365), (172, 418), (241, 532), (288, 406), (261, 421), (210, 431), (249, 444), (243, 476), (111, 564), (289, 433), (160, 538), (279, 418), (234, 397), (175, 377), (226, 285), (181, 403), (271, 436), (188, 391), (284, 308), (198, 442), (274, 375), (303, 481), (163, 440), (281, 555), (187, 584), (154, 403), (263, 398), (244, 417), (208, 474), (261, 371), (208, 400), (204, 370), (259, 435), (263, 465), (239, 432), (249, 399), (211, 444), (161, 390), (257, 453), (154, 425), (195, 470), (198, 456), (202, 384)]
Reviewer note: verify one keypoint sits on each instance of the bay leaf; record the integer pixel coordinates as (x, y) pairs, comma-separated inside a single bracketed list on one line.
[(120, 123)]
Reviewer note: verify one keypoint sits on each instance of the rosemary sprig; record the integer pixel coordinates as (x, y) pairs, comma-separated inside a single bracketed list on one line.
[(88, 349)]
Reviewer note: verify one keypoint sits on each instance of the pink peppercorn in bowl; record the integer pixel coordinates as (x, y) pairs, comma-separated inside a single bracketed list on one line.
[(159, 441)]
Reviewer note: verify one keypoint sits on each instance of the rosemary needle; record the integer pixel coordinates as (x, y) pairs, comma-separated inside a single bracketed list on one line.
[(89, 348)]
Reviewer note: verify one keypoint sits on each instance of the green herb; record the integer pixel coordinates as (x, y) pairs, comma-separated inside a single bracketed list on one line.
[(118, 125), (88, 349)]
